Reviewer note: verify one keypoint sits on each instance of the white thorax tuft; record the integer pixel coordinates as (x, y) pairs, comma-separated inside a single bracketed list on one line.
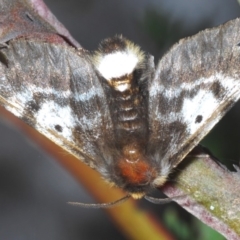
[(119, 62)]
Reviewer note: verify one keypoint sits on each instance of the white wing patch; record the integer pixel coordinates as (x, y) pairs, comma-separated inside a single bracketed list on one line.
[(199, 104), (51, 114), (191, 110)]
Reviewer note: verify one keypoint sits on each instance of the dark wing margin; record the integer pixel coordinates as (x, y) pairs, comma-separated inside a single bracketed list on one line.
[(54, 89), (195, 84)]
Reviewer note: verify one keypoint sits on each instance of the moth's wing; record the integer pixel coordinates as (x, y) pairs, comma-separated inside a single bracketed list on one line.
[(54, 89), (195, 84)]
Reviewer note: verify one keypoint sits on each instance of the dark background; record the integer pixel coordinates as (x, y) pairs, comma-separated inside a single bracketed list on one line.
[(34, 189)]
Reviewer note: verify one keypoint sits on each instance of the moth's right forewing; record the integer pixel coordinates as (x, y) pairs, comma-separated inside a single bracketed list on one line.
[(55, 89)]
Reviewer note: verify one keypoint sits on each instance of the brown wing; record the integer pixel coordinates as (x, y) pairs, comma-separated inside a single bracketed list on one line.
[(55, 89), (195, 84)]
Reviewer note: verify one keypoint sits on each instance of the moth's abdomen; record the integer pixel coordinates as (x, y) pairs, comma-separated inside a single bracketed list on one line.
[(129, 113)]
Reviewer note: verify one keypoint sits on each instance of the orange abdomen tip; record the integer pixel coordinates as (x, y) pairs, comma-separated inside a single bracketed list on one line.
[(134, 168)]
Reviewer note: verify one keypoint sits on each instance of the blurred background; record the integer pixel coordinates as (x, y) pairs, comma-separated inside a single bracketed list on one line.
[(34, 188)]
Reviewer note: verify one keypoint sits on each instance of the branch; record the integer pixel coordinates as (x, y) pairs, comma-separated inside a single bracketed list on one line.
[(210, 192)]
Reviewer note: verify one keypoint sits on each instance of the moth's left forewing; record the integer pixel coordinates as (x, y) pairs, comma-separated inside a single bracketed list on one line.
[(195, 84)]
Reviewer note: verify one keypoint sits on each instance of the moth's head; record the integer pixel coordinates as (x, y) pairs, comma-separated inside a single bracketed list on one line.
[(117, 59)]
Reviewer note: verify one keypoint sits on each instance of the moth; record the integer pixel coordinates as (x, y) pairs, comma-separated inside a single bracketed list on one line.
[(116, 111)]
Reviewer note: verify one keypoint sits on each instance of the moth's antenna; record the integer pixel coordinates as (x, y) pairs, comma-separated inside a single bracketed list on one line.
[(101, 205)]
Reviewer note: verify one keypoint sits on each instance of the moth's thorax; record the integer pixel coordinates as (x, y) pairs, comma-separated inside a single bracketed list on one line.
[(117, 57)]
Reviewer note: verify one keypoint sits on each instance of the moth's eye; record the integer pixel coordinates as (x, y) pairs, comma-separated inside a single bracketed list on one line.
[(238, 44)]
